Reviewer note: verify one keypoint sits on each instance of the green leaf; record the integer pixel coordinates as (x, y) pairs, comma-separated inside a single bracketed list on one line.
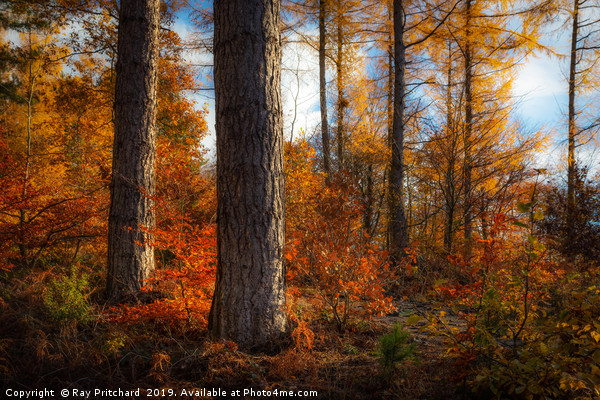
[(524, 207), (521, 224), (532, 239), (540, 247), (413, 319)]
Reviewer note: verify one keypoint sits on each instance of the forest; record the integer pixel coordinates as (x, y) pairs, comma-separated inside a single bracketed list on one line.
[(333, 199)]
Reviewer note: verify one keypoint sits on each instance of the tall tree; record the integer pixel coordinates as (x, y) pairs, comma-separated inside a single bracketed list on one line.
[(341, 102), (572, 128), (323, 87), (490, 47), (131, 218), (398, 225), (346, 29), (468, 129), (249, 294), (584, 57), (398, 229)]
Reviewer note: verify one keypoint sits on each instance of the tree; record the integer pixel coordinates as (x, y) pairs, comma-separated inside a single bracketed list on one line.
[(323, 87), (488, 49), (582, 244), (131, 219), (46, 209), (584, 56), (398, 224), (398, 229), (326, 246), (468, 127), (249, 293)]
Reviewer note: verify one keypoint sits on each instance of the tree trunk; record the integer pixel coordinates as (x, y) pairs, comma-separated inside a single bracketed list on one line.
[(249, 299), (450, 183), (323, 89), (468, 214), (390, 83), (131, 219), (340, 88), (390, 115), (369, 202), (570, 214), (398, 229)]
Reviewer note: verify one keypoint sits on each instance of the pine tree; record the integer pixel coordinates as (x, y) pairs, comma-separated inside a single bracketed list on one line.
[(131, 218), (249, 298)]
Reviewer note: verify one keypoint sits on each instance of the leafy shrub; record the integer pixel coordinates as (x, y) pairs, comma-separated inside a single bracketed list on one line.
[(114, 342), (558, 358), (179, 292), (327, 249), (66, 297), (575, 236), (532, 330)]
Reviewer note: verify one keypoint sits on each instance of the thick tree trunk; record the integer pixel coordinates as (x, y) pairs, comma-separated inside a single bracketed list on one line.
[(570, 214), (131, 219), (249, 299), (398, 229), (323, 89)]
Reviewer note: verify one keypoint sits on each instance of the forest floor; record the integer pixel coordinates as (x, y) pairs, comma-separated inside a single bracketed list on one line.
[(38, 353)]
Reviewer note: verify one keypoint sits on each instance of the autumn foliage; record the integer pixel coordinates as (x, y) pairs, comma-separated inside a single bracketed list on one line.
[(327, 251), (523, 335), (497, 296), (181, 288)]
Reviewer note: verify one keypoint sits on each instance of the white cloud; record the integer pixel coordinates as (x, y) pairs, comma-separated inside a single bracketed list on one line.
[(300, 88), (540, 77), (542, 90)]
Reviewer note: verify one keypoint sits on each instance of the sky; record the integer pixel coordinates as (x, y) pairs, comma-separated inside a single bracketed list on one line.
[(540, 86)]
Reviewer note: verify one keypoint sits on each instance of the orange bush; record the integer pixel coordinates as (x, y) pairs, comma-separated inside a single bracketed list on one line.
[(327, 249), (184, 239)]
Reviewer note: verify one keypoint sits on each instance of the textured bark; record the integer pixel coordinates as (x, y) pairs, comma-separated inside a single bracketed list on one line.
[(390, 82), (390, 118), (468, 167), (249, 299), (130, 254), (398, 229), (570, 214), (323, 89), (341, 102), (369, 202), (450, 183)]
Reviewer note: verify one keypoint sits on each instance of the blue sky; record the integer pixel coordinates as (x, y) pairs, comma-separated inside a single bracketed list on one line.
[(541, 86)]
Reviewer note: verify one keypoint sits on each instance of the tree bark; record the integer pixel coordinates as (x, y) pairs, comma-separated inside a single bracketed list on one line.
[(131, 218), (398, 229), (249, 299), (450, 199), (570, 214), (341, 102), (323, 89), (390, 117), (468, 167)]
